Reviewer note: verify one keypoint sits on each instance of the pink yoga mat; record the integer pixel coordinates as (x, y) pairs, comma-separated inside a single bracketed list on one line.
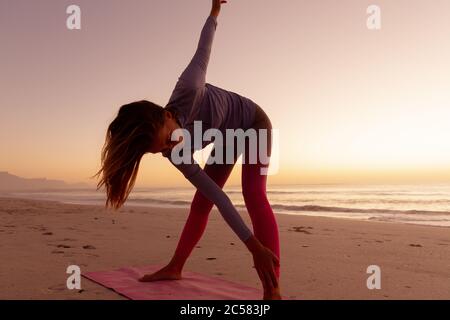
[(193, 286)]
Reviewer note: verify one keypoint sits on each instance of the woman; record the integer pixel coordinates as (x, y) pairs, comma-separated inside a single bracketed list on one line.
[(141, 127)]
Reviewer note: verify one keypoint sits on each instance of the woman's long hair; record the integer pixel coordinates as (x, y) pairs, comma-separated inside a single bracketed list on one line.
[(128, 138)]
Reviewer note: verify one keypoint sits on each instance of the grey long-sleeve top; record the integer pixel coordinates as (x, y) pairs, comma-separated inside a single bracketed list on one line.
[(195, 100)]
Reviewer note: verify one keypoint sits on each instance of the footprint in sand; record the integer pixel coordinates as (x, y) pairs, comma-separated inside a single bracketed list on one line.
[(57, 287), (89, 247), (92, 255), (301, 229), (211, 258), (415, 245), (72, 229), (47, 234), (57, 251), (65, 246)]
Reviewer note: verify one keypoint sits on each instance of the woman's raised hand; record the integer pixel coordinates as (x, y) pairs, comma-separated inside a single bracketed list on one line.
[(216, 5)]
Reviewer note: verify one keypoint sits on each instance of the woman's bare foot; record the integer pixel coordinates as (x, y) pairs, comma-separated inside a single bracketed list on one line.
[(165, 273)]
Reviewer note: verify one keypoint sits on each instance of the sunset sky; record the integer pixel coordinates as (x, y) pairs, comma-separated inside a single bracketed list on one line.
[(351, 104)]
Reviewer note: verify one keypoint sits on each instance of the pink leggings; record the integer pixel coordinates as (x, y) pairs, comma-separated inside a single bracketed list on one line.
[(265, 226)]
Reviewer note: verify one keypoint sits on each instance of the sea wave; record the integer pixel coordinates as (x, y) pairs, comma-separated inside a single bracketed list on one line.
[(315, 208), (300, 208)]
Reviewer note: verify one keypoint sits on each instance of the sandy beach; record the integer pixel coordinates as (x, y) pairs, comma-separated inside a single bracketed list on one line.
[(321, 258)]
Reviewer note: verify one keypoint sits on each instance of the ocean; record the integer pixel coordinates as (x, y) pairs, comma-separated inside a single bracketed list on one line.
[(417, 204)]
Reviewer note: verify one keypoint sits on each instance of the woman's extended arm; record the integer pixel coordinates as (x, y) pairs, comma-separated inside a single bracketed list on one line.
[(194, 76), (215, 194)]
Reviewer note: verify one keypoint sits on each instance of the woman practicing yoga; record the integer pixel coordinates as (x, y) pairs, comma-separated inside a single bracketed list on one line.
[(143, 127)]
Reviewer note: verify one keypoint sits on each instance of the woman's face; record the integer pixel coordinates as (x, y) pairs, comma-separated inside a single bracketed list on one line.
[(163, 142)]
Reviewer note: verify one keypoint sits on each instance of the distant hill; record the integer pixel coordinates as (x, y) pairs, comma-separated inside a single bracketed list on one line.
[(10, 183)]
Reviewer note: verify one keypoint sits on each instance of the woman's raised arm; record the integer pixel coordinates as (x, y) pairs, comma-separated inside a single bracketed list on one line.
[(194, 76)]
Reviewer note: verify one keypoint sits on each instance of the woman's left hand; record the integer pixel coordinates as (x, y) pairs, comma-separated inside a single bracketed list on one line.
[(216, 5), (265, 261)]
